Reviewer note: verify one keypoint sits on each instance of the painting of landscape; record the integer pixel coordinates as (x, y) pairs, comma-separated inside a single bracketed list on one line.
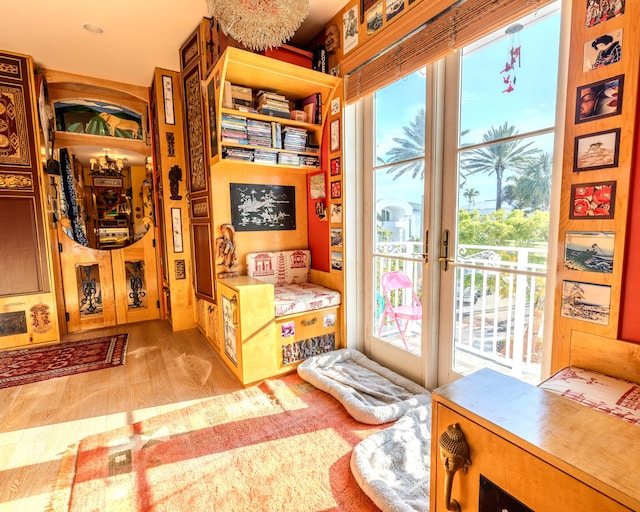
[(589, 251), (586, 301)]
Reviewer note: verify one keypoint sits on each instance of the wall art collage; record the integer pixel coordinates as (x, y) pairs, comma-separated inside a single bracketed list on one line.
[(335, 186), (589, 250)]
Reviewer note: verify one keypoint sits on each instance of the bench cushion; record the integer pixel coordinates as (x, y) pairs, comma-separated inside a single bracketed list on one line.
[(280, 267), (297, 298)]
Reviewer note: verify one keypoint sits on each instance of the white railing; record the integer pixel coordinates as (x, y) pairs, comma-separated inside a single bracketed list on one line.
[(498, 313)]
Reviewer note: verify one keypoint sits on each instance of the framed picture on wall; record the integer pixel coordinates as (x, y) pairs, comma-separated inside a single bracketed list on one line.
[(593, 200), (176, 228), (336, 190), (589, 251), (335, 166), (586, 301), (262, 207), (335, 135), (599, 99), (596, 150)]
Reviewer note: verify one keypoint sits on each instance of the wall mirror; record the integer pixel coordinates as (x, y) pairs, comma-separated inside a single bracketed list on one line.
[(113, 191)]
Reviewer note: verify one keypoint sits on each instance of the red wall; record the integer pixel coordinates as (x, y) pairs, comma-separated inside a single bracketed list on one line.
[(630, 300)]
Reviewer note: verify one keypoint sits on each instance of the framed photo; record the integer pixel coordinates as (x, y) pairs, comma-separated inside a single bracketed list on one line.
[(335, 135), (593, 200), (589, 251), (598, 150), (107, 182), (176, 228), (167, 96), (336, 260), (374, 19), (316, 186), (336, 213), (350, 29), (335, 106), (336, 237), (586, 301), (335, 166), (599, 99), (597, 13), (262, 207), (364, 5), (603, 50), (336, 189), (394, 7)]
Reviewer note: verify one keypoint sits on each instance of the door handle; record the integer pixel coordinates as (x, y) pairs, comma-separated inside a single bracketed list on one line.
[(444, 251), (454, 455)]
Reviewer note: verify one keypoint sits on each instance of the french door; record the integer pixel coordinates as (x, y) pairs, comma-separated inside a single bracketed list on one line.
[(457, 198)]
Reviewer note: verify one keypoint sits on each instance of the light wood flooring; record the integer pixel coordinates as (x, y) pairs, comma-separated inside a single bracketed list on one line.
[(163, 371)]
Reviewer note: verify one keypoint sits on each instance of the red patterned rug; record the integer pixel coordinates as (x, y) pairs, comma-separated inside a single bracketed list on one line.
[(18, 367)]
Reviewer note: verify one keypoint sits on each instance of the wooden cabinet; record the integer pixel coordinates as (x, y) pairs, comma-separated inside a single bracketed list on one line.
[(540, 449), (28, 313), (247, 327)]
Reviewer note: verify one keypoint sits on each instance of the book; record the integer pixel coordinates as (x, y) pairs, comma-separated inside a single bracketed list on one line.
[(313, 107)]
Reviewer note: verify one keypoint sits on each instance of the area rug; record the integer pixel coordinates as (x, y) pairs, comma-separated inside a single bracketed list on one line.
[(18, 367), (283, 445)]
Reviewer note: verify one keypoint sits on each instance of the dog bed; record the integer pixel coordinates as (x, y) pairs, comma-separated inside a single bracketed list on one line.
[(370, 392), (392, 467)]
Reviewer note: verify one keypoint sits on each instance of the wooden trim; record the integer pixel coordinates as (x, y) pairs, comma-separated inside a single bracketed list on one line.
[(613, 357), (137, 91)]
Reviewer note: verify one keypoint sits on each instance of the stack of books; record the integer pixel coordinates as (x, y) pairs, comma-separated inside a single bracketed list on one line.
[(234, 129), (237, 96), (259, 133), (267, 157), (294, 139), (237, 154), (272, 104), (288, 159)]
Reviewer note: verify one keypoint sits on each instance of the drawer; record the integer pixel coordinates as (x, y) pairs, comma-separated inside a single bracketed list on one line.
[(306, 325)]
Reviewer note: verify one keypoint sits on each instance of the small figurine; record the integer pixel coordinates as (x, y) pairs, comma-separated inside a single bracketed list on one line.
[(226, 248)]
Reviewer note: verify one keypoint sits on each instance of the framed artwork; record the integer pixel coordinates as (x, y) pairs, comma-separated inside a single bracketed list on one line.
[(599, 99), (336, 237), (350, 29), (364, 5), (176, 229), (602, 51), (335, 106), (321, 210), (598, 150), (316, 186), (374, 19), (599, 11), (99, 181), (589, 251), (336, 260), (335, 166), (167, 96), (394, 7), (229, 314), (586, 301), (262, 207), (336, 213), (335, 135), (336, 189), (593, 200)]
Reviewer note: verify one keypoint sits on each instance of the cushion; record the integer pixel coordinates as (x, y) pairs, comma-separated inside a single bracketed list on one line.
[(618, 397), (297, 298), (370, 392), (280, 267), (392, 466)]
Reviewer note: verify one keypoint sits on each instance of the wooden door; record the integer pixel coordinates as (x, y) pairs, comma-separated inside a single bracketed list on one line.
[(105, 288), (87, 277)]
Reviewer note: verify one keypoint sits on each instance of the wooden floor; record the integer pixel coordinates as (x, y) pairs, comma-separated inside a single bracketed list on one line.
[(163, 371)]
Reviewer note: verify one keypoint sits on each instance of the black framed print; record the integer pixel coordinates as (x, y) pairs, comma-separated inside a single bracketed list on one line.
[(598, 150), (335, 166), (593, 200), (599, 99), (263, 207)]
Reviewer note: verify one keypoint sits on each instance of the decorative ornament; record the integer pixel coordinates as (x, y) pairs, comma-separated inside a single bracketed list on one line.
[(259, 24), (513, 57)]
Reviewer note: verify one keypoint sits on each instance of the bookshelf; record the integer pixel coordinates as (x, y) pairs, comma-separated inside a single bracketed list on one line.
[(247, 74)]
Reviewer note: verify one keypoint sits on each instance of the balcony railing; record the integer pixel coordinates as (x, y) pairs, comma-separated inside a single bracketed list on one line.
[(498, 310)]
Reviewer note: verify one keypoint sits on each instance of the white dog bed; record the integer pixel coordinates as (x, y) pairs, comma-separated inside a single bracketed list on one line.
[(370, 392), (392, 467)]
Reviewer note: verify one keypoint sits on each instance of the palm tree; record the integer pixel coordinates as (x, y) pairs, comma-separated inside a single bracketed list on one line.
[(470, 195), (498, 157), (409, 147), (530, 189)]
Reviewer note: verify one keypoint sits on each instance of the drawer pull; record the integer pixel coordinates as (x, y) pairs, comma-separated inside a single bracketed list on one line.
[(310, 322), (454, 455)]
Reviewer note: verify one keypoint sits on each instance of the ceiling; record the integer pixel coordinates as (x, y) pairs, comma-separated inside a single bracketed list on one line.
[(139, 35)]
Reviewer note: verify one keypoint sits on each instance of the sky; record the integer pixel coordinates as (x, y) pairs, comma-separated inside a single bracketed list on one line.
[(530, 106)]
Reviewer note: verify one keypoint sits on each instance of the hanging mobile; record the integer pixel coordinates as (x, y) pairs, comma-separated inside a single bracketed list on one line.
[(513, 57)]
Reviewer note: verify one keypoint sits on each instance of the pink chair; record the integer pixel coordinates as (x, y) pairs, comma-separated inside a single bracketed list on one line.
[(399, 281)]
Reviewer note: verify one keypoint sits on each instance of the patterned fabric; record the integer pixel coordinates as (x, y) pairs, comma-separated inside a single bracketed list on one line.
[(71, 200), (288, 271), (297, 298), (617, 397)]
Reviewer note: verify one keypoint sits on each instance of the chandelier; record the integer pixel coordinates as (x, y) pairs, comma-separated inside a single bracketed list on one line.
[(259, 24)]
